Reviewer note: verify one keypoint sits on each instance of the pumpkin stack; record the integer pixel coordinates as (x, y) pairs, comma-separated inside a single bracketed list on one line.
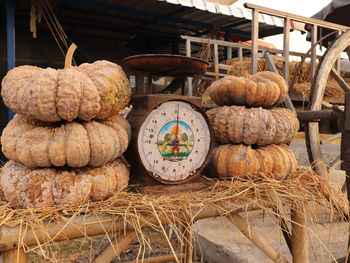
[(253, 138), (65, 143)]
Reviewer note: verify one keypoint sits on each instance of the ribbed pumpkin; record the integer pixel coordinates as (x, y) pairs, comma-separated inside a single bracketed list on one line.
[(240, 161), (98, 90), (43, 187), (75, 144), (264, 89), (237, 124)]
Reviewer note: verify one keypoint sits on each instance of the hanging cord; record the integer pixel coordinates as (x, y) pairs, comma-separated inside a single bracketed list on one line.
[(42, 8)]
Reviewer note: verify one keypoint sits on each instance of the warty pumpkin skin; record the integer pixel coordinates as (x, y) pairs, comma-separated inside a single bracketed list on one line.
[(238, 124), (240, 161), (43, 144), (98, 90), (263, 89), (43, 187)]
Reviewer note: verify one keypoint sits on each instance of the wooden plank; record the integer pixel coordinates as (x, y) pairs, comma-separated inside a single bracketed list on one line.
[(242, 46), (256, 238), (115, 247), (299, 236)]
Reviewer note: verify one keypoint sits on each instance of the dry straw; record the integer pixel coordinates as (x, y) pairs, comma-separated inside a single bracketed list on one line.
[(179, 210)]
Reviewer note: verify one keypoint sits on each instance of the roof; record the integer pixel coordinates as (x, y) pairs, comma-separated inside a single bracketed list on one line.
[(143, 25), (337, 12), (229, 10)]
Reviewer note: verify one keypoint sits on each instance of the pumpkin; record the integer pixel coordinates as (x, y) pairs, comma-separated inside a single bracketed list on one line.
[(43, 187), (238, 124), (264, 89), (240, 161), (98, 90), (75, 144)]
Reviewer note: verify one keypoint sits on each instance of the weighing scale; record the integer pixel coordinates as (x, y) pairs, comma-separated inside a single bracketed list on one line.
[(172, 137)]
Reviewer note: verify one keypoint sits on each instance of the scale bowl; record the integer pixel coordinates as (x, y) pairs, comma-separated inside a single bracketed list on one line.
[(166, 65)]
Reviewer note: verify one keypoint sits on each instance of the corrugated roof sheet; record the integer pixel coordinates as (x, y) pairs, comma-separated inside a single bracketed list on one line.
[(229, 10)]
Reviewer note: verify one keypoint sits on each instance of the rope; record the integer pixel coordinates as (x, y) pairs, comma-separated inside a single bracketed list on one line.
[(42, 8)]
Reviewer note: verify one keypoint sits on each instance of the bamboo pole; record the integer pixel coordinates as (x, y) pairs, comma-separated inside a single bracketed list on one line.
[(14, 256), (256, 238), (188, 246), (113, 249), (299, 237), (158, 259), (79, 226)]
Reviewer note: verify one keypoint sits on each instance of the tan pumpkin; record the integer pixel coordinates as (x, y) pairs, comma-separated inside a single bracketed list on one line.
[(240, 161), (43, 187), (264, 89), (238, 124), (98, 90), (75, 144)]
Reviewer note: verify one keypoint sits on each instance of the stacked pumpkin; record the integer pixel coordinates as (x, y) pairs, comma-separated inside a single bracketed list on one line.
[(65, 143), (253, 139)]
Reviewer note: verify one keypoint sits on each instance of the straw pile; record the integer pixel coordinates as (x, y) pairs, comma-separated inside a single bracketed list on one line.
[(178, 209), (302, 84)]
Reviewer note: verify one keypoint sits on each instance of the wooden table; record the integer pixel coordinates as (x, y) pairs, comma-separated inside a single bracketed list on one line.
[(91, 225)]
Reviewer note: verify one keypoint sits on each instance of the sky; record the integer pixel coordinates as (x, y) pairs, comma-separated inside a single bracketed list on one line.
[(305, 8)]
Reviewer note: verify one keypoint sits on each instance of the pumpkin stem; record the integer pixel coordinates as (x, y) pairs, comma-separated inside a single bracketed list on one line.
[(69, 56)]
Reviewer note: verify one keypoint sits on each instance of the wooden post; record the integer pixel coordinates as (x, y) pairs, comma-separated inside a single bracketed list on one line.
[(256, 238), (240, 54), (114, 248), (189, 79), (216, 61), (14, 256), (255, 35), (299, 236), (313, 52), (286, 49)]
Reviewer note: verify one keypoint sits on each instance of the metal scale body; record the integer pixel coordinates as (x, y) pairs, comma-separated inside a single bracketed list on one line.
[(172, 137)]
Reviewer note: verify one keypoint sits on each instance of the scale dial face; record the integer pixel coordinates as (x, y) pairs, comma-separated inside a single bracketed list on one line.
[(174, 141)]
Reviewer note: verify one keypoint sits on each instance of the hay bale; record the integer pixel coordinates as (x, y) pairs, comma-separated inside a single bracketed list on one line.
[(302, 84)]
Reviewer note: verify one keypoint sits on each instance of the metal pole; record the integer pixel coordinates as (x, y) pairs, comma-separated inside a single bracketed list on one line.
[(10, 35)]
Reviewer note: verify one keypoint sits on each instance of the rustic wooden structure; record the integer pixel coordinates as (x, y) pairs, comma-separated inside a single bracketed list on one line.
[(92, 225)]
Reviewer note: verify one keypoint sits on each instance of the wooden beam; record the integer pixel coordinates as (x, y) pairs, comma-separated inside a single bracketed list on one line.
[(256, 238), (297, 18), (317, 115), (115, 247)]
